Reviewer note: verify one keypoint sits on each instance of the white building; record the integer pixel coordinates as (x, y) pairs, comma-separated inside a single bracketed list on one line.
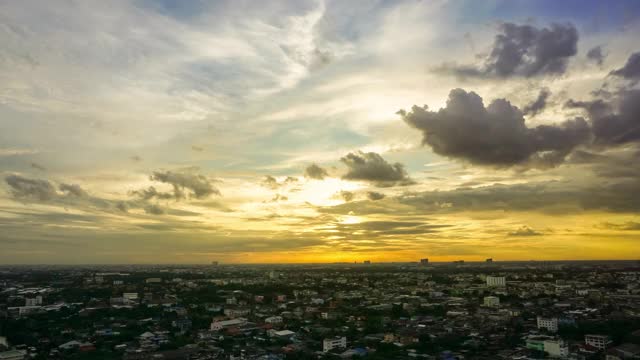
[(130, 296), (492, 301), (225, 324), (334, 343), (273, 320), (35, 301), (283, 334), (496, 281), (237, 312), (13, 355), (556, 348), (551, 324), (597, 341)]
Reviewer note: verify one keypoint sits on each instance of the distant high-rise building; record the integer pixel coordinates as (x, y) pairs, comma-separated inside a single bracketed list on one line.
[(424, 262), (489, 260), (496, 281), (367, 262), (214, 263)]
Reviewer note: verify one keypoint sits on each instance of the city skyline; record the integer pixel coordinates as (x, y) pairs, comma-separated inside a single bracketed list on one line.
[(186, 132)]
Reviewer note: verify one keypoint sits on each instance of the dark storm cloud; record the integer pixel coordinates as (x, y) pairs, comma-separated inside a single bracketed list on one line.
[(525, 50), (314, 171), (73, 190), (630, 70), (538, 104), (373, 195), (21, 187), (615, 120), (374, 168), (199, 185), (493, 135), (596, 55), (524, 231)]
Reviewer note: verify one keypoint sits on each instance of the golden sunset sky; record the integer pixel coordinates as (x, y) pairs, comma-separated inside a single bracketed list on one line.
[(318, 131)]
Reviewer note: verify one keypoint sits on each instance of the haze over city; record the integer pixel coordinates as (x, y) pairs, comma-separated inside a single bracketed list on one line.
[(187, 132)]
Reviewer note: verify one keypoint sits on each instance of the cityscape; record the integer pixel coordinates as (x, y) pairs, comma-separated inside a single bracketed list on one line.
[(420, 310)]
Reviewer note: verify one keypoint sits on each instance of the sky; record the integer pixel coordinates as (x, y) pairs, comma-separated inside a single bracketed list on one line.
[(194, 131)]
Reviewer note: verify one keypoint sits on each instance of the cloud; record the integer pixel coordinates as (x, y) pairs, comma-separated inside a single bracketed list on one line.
[(538, 104), (278, 198), (493, 135), (154, 209), (197, 148), (199, 185), (38, 166), (630, 70), (615, 120), (596, 55), (373, 168), (524, 231), (16, 152), (273, 183), (122, 206), (368, 230), (525, 51), (270, 182), (346, 195), (553, 197), (627, 226), (73, 190), (314, 171), (22, 187), (136, 158), (151, 192), (372, 195)]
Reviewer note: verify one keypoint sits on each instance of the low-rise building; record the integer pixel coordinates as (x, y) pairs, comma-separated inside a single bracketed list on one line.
[(492, 301), (339, 342), (225, 324), (550, 324), (13, 355), (597, 341)]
